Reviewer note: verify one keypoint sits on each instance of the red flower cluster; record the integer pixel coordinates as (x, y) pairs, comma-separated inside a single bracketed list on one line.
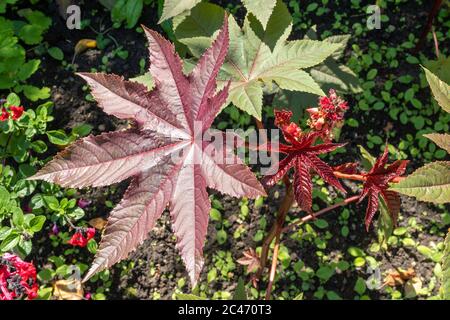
[(15, 112), (82, 236), (17, 278), (302, 154), (328, 115), (283, 121)]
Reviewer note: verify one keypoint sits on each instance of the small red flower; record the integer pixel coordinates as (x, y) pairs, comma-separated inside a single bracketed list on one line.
[(328, 115), (291, 130), (16, 111), (17, 278), (4, 115), (82, 236)]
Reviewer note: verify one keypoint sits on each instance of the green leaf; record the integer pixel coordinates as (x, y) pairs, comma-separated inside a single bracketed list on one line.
[(173, 8), (13, 99), (215, 215), (145, 79), (239, 293), (4, 197), (51, 202), (25, 246), (196, 26), (324, 273), (330, 74), (58, 137), (37, 223), (36, 18), (296, 80), (445, 288), (321, 224), (367, 159), (27, 69), (31, 34), (261, 9), (133, 10), (430, 183), (39, 146), (360, 286), (10, 242), (440, 89), (56, 53), (92, 246), (300, 54), (221, 236), (33, 93), (355, 252), (82, 130), (185, 296), (250, 63), (17, 218), (248, 98), (442, 140), (278, 27), (440, 67), (45, 275)]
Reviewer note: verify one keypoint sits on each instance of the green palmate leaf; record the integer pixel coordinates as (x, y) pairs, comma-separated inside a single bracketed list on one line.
[(441, 90), (430, 183), (442, 140), (440, 67), (261, 9), (257, 57), (278, 27), (445, 288), (173, 8), (330, 74)]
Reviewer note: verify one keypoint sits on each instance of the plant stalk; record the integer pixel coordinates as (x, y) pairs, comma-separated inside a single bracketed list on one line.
[(273, 268), (318, 213), (433, 12)]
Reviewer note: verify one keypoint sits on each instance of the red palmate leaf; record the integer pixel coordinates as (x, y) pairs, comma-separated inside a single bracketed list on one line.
[(165, 156), (301, 153), (377, 183), (250, 259)]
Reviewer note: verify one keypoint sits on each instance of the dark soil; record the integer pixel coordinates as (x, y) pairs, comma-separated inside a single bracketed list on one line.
[(158, 252)]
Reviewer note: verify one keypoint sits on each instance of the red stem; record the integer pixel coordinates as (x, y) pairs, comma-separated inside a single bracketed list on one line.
[(320, 212), (273, 268), (434, 10), (359, 177)]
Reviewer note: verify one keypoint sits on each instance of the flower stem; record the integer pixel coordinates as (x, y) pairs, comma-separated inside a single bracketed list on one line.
[(285, 205), (318, 213), (359, 177), (273, 268)]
